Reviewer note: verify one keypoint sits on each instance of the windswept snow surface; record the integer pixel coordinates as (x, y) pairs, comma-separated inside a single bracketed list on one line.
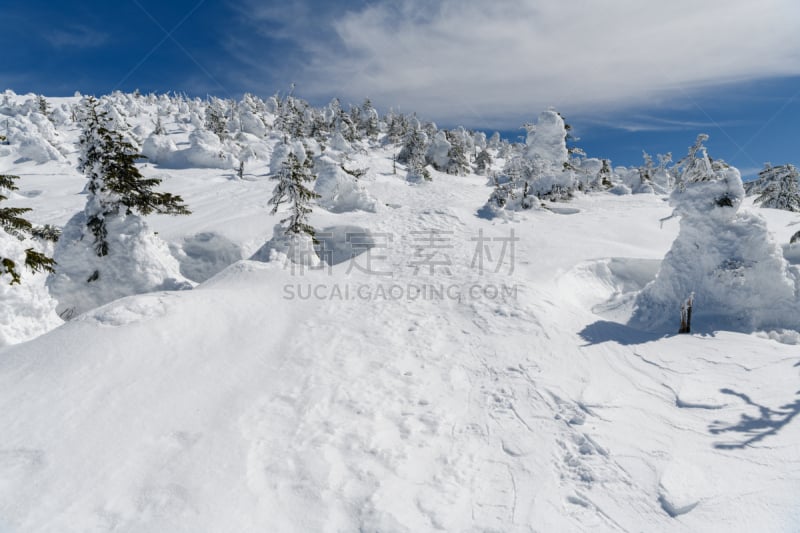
[(436, 382)]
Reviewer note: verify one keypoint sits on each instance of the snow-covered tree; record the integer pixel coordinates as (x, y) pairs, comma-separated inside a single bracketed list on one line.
[(115, 185), (106, 251), (413, 154), (779, 187), (724, 260), (397, 127), (12, 222), (292, 189), (216, 120), (483, 162), (158, 127), (457, 163), (370, 121), (43, 106), (603, 178)]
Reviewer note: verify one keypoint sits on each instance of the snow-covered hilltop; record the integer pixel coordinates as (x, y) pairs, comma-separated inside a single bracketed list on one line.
[(369, 323)]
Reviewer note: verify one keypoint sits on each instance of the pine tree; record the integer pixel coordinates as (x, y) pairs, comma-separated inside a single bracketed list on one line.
[(397, 127), (414, 147), (369, 120), (603, 179), (15, 225), (780, 188), (696, 165), (116, 187), (291, 189), (457, 155), (413, 154), (483, 162), (647, 170), (158, 127), (215, 120), (43, 106)]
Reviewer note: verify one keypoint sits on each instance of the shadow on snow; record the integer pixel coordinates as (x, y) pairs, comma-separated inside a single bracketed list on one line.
[(607, 331), (755, 428)]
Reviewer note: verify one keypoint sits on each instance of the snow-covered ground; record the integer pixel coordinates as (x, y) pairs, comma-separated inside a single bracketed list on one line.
[(461, 374)]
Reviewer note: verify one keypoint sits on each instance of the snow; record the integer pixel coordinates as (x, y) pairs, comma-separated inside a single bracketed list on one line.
[(137, 262), (355, 396)]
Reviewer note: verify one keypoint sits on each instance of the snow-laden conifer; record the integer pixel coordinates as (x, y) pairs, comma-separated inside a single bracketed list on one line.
[(779, 187), (14, 224), (107, 251)]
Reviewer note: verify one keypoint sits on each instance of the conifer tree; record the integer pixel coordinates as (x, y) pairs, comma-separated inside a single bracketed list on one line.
[(780, 188), (291, 189), (215, 120), (413, 154), (369, 119), (457, 155), (158, 127), (647, 170), (603, 179), (15, 225), (483, 162), (414, 147), (116, 187), (43, 106), (397, 126)]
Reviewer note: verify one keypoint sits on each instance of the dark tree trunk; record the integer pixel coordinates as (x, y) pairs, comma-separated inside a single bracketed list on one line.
[(686, 315)]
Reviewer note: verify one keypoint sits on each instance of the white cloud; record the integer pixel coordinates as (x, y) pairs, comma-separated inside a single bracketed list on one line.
[(639, 123), (480, 62)]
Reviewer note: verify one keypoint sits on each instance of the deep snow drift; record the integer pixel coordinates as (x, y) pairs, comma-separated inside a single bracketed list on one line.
[(456, 374)]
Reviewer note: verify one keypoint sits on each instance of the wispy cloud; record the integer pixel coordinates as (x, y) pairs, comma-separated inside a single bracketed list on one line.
[(468, 60), (76, 37), (639, 123)]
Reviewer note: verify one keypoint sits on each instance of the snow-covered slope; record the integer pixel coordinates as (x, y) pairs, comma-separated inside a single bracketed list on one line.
[(435, 382)]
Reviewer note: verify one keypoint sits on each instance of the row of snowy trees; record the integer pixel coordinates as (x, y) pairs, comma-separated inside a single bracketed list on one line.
[(313, 149)]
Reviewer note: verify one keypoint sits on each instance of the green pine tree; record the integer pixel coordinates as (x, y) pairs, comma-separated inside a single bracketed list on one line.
[(291, 189), (43, 106), (116, 187), (13, 224)]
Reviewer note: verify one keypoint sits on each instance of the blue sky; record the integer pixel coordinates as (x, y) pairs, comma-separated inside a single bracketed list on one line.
[(627, 75)]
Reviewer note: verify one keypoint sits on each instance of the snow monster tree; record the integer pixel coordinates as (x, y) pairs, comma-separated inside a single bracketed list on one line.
[(724, 259)]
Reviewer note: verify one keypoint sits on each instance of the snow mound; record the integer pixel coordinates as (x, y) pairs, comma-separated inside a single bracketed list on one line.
[(680, 488), (620, 189), (339, 244), (137, 262), (158, 148), (203, 255), (339, 191), (206, 151), (288, 249), (609, 286)]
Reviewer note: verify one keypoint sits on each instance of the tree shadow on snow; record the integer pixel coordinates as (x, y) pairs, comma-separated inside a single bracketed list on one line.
[(768, 422), (607, 331), (486, 213)]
